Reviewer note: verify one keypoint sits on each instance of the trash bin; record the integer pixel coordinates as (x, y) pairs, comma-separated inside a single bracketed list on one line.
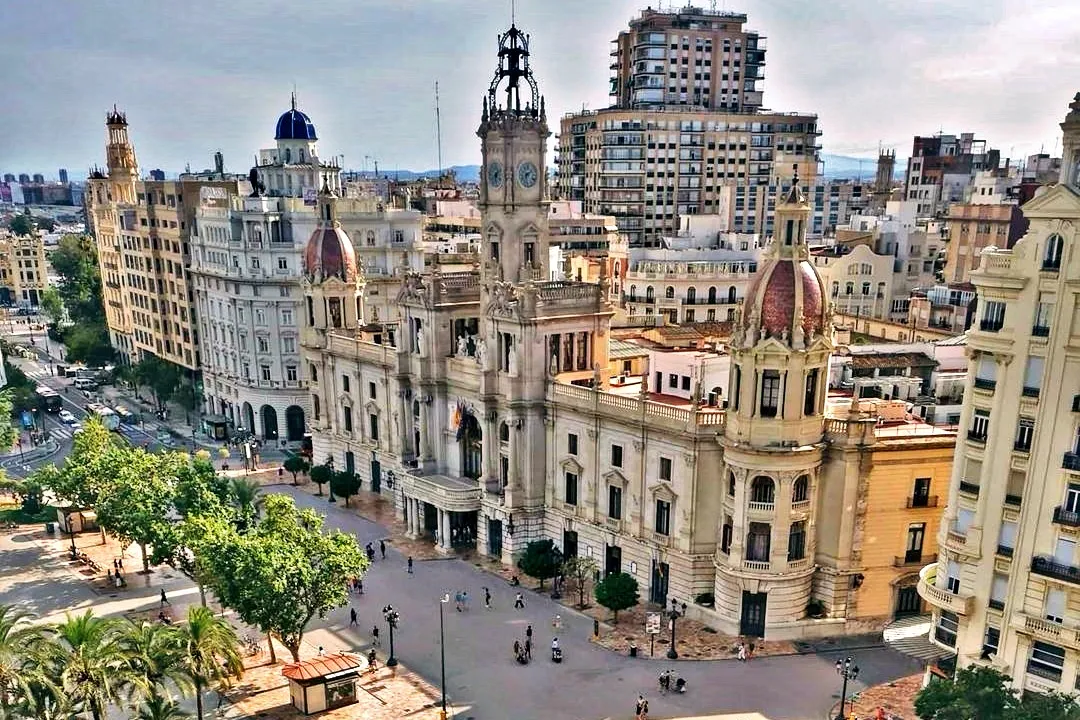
[(633, 650), (50, 528)]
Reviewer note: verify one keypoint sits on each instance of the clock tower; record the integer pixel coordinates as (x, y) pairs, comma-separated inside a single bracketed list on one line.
[(513, 185)]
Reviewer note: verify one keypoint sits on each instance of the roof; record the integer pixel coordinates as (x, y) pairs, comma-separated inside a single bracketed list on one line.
[(622, 350), (960, 339), (883, 360), (321, 666), (294, 125)]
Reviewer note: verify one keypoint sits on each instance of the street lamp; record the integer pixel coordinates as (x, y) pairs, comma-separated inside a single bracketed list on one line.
[(442, 651), (673, 615), (391, 616), (848, 671)]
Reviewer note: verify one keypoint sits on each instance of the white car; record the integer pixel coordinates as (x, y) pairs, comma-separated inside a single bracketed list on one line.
[(76, 428), (67, 417)]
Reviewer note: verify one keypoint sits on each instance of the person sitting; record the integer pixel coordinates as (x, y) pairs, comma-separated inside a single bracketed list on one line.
[(514, 581)]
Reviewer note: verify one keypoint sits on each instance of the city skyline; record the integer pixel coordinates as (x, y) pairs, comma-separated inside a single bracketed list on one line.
[(916, 68)]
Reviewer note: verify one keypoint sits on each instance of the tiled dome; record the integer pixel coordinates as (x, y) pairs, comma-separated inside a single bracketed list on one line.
[(330, 253)]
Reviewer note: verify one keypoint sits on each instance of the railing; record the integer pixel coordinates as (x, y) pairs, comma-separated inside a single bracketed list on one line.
[(996, 262), (920, 559), (762, 506), (624, 405), (1014, 500), (1048, 567), (970, 488), (939, 597), (976, 437), (798, 564), (1051, 631), (1005, 551), (922, 501), (1066, 517), (1071, 461), (996, 604), (1031, 392), (991, 325), (1040, 331), (800, 505), (756, 564), (985, 384)]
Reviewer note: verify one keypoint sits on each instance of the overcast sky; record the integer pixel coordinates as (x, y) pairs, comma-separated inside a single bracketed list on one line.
[(203, 75)]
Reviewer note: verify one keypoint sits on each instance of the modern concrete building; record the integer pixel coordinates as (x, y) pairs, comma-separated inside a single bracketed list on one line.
[(1006, 589), (941, 167)]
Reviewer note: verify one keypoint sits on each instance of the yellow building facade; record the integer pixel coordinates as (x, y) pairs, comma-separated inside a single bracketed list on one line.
[(23, 269)]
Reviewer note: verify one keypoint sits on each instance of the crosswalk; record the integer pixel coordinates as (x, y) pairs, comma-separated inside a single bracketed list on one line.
[(39, 373)]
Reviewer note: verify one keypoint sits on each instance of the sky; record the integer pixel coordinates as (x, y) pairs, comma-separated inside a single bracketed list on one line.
[(204, 75)]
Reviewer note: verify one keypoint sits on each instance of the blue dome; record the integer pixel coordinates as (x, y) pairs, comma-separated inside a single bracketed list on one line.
[(295, 125)]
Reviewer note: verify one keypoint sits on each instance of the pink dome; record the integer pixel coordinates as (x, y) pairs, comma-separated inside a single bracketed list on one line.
[(774, 300), (330, 253)]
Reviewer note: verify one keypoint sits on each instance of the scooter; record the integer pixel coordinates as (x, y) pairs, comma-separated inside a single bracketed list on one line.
[(556, 655)]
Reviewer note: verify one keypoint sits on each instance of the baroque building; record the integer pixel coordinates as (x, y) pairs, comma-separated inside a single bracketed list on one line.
[(486, 411), (1005, 591)]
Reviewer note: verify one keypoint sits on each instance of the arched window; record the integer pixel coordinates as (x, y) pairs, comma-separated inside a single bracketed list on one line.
[(1052, 256), (849, 288), (691, 295), (288, 155), (471, 439), (649, 295), (835, 288), (669, 292), (866, 288), (731, 484), (712, 296), (731, 294), (300, 154), (762, 490), (416, 408), (800, 491), (633, 293), (504, 432)]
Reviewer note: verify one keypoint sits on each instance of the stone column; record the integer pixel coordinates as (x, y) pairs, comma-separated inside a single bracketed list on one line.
[(444, 529), (422, 455), (417, 517), (408, 516)]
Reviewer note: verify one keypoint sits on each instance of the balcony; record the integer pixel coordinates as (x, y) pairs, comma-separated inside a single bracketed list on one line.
[(1071, 461), (1047, 630), (976, 437), (912, 558), (1014, 500), (959, 603), (1048, 567), (1063, 516), (1031, 392), (756, 564), (969, 488), (761, 507), (985, 384), (922, 501), (1005, 551), (1040, 331), (991, 325)]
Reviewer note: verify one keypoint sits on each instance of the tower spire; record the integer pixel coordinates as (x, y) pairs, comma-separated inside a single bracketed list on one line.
[(294, 96)]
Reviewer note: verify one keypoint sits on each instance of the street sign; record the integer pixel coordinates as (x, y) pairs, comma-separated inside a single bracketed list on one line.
[(652, 623)]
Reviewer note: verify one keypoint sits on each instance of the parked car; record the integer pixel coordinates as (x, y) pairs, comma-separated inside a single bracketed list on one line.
[(66, 416)]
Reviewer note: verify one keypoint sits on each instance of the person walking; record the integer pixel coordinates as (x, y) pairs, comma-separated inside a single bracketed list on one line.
[(528, 648), (750, 651), (371, 658), (410, 564), (528, 631), (644, 714), (120, 564), (741, 652), (382, 548), (487, 598), (465, 599), (375, 635), (164, 600), (517, 649), (458, 602), (352, 617), (519, 602)]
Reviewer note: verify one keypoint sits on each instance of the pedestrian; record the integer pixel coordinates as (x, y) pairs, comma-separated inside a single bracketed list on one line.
[(352, 617), (410, 564), (164, 600), (120, 564), (115, 566), (487, 598), (321, 651), (371, 657), (528, 631), (375, 635), (741, 652), (528, 648), (519, 602), (517, 648), (359, 586), (108, 576), (644, 709), (750, 651), (382, 548), (458, 601), (465, 599)]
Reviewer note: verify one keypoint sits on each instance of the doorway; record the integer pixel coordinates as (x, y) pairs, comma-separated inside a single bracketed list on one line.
[(612, 560), (753, 614), (376, 474), (908, 601), (569, 543), (494, 537), (659, 588)]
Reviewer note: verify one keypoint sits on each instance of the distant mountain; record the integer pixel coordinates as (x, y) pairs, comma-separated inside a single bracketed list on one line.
[(464, 173)]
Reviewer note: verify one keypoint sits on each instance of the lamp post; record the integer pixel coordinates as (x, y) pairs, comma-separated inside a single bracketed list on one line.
[(391, 616), (674, 614), (442, 652), (848, 671)]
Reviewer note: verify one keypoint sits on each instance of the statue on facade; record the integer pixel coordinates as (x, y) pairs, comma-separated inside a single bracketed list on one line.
[(798, 340), (257, 186), (481, 354), (512, 361), (462, 346), (420, 342)]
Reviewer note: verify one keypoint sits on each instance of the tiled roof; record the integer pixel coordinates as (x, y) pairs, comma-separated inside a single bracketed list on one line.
[(621, 350), (892, 360), (321, 666)]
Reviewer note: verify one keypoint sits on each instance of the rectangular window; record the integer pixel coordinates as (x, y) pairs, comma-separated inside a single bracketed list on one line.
[(686, 382), (663, 517), (373, 426), (1025, 430), (1044, 312), (916, 534), (726, 533), (1046, 661), (952, 578), (993, 316), (810, 395), (345, 384), (291, 375), (1072, 498), (288, 344), (980, 426), (371, 390), (347, 415), (1055, 605), (964, 518), (1033, 373), (616, 456), (945, 632), (673, 381), (797, 541), (665, 469), (570, 488), (991, 640), (999, 588), (264, 370), (263, 344), (920, 494), (313, 371), (571, 444), (770, 393), (286, 317), (614, 503), (1006, 538)]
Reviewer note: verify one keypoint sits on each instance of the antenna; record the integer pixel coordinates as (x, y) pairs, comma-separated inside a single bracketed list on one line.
[(513, 12), (438, 127)]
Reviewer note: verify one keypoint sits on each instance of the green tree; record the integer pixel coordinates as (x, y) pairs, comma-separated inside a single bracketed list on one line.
[(136, 507), (75, 261), (321, 475), (89, 344), (20, 389), (9, 431), (540, 560), (93, 669), (580, 570), (52, 305), (22, 225), (618, 591), (22, 647), (209, 651), (296, 464), (159, 708), (981, 693), (88, 470), (153, 654), (283, 572), (247, 500), (345, 484)]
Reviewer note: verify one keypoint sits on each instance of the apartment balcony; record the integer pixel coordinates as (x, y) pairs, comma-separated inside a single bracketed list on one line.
[(1014, 500), (1040, 331), (984, 384), (1046, 630), (969, 488), (761, 508), (912, 558), (1048, 567), (924, 501), (991, 325), (1071, 461), (1066, 517), (959, 603), (976, 437), (756, 565)]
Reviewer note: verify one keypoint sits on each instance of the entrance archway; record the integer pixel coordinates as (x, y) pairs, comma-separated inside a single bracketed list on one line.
[(248, 416), (269, 422), (470, 437), (294, 423)]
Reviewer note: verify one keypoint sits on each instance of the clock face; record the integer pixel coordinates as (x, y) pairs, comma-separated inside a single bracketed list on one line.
[(495, 174), (527, 174)]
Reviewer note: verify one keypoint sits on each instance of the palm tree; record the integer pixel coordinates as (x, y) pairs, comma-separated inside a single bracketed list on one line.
[(22, 650), (159, 708), (153, 652), (247, 498), (92, 666), (209, 651)]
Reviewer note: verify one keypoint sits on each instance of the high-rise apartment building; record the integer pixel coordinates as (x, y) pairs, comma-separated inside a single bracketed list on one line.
[(942, 166), (23, 269), (142, 229), (685, 123), (1006, 589), (691, 57)]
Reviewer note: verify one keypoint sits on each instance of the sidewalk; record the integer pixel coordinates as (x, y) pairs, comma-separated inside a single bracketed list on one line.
[(897, 698)]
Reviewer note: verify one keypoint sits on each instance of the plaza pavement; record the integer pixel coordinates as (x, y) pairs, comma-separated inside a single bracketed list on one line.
[(483, 680)]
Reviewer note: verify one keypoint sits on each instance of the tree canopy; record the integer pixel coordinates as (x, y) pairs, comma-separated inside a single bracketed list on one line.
[(345, 484), (540, 560), (981, 693), (618, 591)]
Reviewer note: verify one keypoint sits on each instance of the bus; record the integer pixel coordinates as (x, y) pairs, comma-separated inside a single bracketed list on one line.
[(108, 418), (48, 399)]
